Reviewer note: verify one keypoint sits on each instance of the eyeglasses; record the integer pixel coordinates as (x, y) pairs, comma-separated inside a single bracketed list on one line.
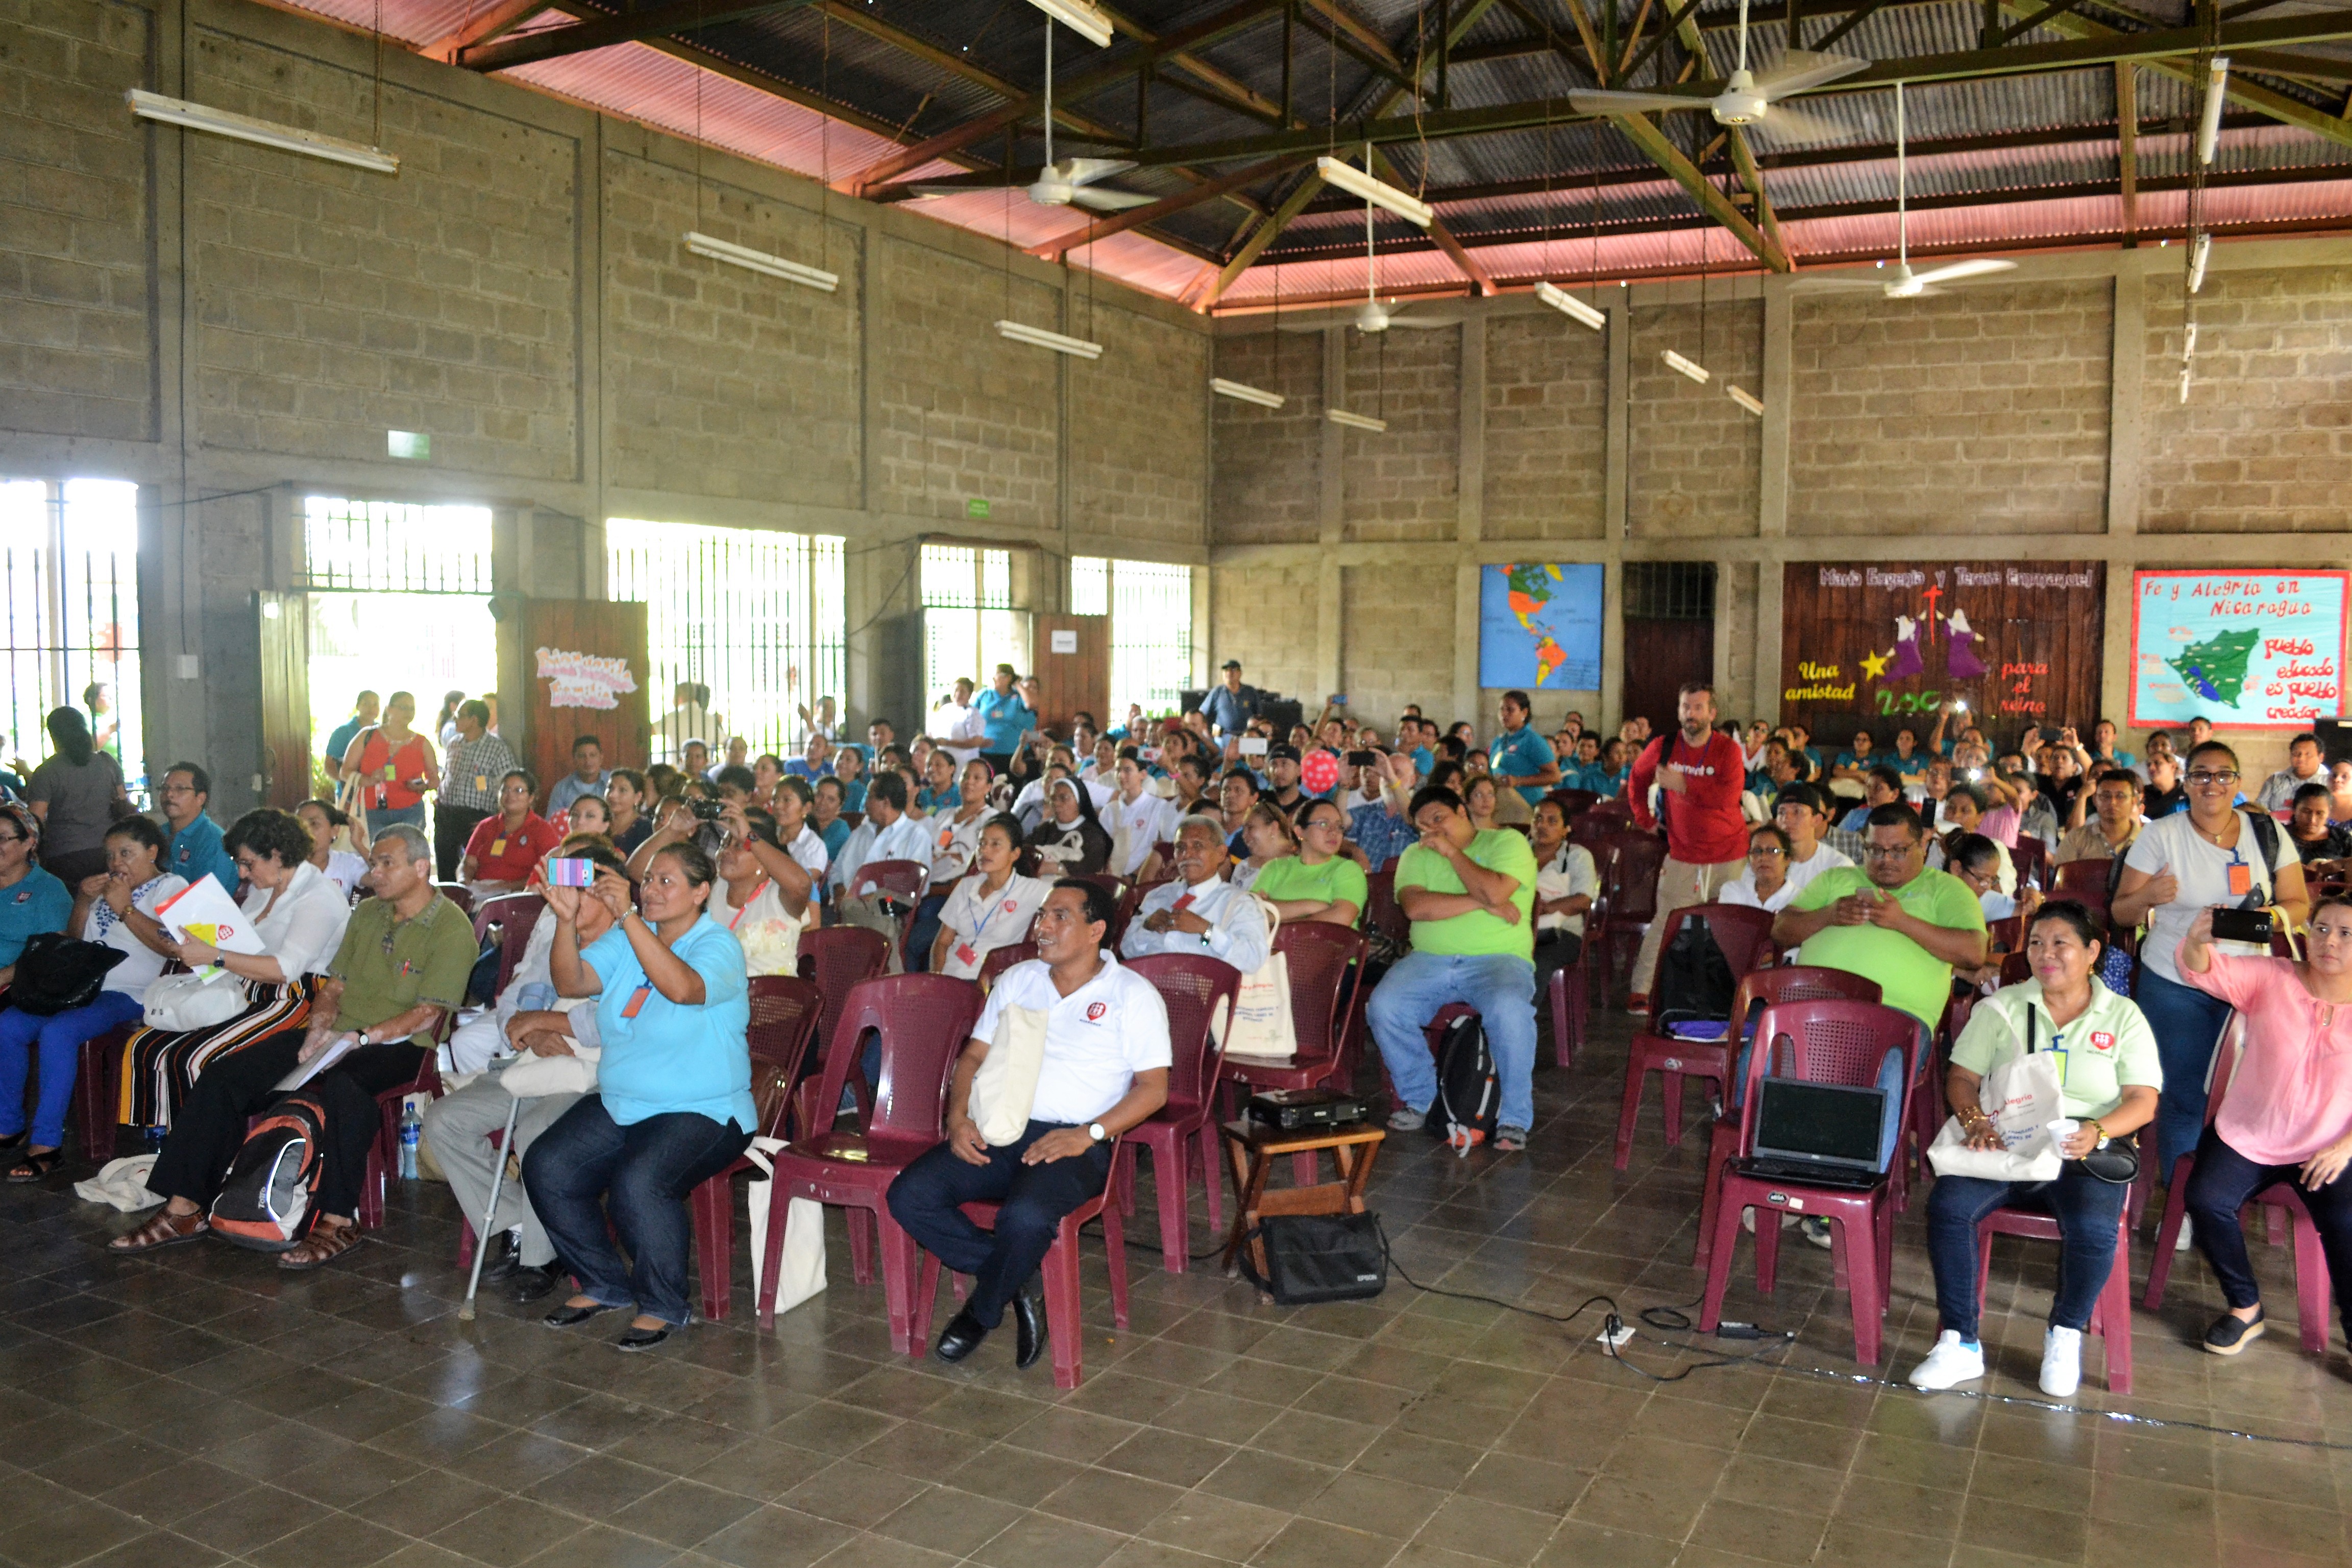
[(2203, 777), (1887, 852)]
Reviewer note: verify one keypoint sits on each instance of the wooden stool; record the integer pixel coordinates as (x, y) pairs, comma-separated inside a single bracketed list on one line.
[(1254, 1146)]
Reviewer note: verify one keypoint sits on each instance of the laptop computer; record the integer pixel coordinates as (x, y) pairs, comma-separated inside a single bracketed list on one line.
[(1822, 1134)]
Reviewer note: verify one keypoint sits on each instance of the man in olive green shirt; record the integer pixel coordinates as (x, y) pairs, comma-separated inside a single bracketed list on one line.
[(1471, 899)]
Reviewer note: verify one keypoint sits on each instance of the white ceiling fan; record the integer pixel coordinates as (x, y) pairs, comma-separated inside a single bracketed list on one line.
[(1906, 284), (1376, 314), (1746, 99), (1071, 182)]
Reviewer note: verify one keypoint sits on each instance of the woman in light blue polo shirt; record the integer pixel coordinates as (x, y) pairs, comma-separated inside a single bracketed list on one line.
[(31, 899), (672, 1104)]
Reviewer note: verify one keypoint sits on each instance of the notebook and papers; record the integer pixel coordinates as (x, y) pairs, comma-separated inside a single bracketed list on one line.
[(1823, 1134)]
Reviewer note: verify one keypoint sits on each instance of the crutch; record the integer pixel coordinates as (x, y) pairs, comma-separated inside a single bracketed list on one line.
[(490, 1214)]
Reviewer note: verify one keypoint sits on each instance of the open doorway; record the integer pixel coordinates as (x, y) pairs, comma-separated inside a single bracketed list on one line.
[(425, 644)]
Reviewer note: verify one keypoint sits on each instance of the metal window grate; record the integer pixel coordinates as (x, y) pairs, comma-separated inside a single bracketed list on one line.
[(1670, 590), (1089, 586), (392, 547), (969, 624), (1151, 635), (758, 617), (69, 564)]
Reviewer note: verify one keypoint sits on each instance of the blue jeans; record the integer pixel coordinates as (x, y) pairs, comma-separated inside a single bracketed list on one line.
[(643, 1174), (1503, 989), (927, 1201), (380, 818), (2221, 1183), (927, 931), (2086, 1209), (60, 1036), (2188, 1024)]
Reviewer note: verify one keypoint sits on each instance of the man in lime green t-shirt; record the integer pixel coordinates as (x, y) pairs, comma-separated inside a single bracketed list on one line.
[(1890, 918), (1471, 899)]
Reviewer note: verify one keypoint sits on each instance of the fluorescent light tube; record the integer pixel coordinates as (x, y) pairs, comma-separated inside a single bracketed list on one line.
[(1746, 399), (2189, 345), (2184, 384), (760, 261), (2199, 252), (2216, 92), (1079, 16), (1682, 366), (284, 138), (1380, 192), (1038, 337), (1245, 394), (1569, 305), (1354, 421)]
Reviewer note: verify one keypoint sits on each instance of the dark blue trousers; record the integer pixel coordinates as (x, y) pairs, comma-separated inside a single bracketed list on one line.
[(927, 1200)]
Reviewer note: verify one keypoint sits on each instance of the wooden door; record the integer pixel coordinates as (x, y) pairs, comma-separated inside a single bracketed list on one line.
[(585, 662), (284, 623), (1072, 656), (1660, 655)]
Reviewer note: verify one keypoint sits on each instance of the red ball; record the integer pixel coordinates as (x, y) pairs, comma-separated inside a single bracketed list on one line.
[(1319, 771)]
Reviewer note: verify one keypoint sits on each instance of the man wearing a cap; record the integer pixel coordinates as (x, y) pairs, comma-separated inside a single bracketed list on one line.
[(1282, 772), (1230, 705)]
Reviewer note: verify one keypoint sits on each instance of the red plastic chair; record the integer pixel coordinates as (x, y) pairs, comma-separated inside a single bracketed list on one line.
[(784, 1015), (1327, 1017), (1770, 988), (1196, 988), (2110, 1319), (1381, 912), (1575, 802), (2084, 882), (459, 894), (1064, 1318), (1631, 884), (1745, 935), (1569, 993), (1818, 1042), (510, 918), (903, 882), (923, 1021), (838, 959), (2313, 1292), (2031, 858), (383, 1153), (98, 1091), (1001, 959)]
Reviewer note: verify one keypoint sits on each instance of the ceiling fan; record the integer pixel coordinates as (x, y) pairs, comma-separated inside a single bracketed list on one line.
[(1906, 284), (1071, 182), (1746, 99), (1376, 315)]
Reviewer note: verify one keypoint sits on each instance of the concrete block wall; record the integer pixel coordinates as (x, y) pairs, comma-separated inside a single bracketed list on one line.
[(1694, 472), (1257, 619), (1547, 428), (1399, 484), (1138, 427), (1984, 407), (2265, 442), (1393, 626), (1264, 487)]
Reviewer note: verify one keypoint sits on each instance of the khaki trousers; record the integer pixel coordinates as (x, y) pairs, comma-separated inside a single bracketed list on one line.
[(1680, 884)]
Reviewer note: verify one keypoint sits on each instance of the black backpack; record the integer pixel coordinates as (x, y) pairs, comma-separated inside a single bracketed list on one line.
[(1695, 980), (1468, 1092), (265, 1201)]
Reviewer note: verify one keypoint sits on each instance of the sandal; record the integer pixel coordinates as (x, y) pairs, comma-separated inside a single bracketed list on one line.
[(166, 1229), (324, 1243), (38, 1166)]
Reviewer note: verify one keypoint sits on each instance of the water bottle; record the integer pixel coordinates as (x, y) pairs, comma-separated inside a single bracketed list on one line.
[(412, 1129), (538, 996)]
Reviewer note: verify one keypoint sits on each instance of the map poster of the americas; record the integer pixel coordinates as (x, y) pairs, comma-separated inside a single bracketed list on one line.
[(2253, 649), (1540, 627)]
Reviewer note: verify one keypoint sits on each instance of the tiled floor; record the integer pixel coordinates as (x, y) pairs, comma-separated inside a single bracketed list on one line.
[(202, 1407)]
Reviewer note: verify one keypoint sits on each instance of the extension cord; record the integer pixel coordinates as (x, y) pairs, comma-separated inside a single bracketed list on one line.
[(1614, 1333)]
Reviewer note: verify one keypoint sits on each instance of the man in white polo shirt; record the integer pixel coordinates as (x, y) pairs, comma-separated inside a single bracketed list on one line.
[(1105, 1070)]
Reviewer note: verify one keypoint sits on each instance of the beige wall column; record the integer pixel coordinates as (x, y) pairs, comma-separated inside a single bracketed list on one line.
[(1329, 673), (1772, 498), (2126, 427), (1470, 491)]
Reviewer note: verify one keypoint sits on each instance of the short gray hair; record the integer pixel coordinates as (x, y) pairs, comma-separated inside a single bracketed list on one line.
[(1203, 819), (419, 846)]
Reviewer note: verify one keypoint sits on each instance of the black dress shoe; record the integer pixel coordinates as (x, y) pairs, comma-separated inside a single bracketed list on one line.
[(531, 1283), (1029, 1319), (961, 1337), (504, 1260), (643, 1339), (570, 1316)]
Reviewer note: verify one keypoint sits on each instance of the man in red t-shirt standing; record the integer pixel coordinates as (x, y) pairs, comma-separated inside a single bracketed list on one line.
[(1701, 774)]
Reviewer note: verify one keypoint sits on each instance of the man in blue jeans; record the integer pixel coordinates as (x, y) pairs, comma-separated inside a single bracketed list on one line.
[(1471, 899)]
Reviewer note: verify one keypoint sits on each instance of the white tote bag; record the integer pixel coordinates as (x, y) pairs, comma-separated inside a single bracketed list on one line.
[(2024, 1095), (1260, 1026), (802, 1269), (181, 1001), (1006, 1087)]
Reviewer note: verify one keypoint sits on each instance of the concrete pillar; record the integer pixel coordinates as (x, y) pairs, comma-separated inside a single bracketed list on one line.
[(1469, 520)]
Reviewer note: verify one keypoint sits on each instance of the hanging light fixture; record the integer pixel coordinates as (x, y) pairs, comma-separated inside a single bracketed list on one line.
[(760, 261), (2216, 92), (1744, 398), (1380, 192), (1569, 305), (1682, 366), (154, 106), (1038, 337), (1242, 393), (1355, 421), (1079, 16)]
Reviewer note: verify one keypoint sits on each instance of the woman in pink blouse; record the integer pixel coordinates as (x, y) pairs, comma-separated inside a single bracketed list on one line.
[(2287, 1116)]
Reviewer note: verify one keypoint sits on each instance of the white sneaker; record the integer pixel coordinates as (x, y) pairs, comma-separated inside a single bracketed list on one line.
[(1953, 1361), (2187, 1237), (2061, 1362), (1817, 1231)]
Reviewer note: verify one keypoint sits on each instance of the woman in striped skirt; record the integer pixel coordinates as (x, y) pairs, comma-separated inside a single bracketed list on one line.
[(297, 913)]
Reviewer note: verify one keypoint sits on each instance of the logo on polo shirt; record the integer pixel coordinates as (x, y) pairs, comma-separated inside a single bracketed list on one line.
[(2102, 1041), (1096, 1011)]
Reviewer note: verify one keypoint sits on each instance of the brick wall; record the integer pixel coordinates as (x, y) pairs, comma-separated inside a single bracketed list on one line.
[(1264, 474), (721, 379), (1396, 639), (1400, 483), (1547, 428), (1981, 409), (2265, 442), (1693, 454), (964, 414), (1139, 424), (335, 304), (77, 342), (1264, 617)]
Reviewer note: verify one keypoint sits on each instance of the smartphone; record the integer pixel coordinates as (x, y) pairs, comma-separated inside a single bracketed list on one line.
[(562, 873), (1959, 707), (2242, 925), (1255, 745), (1362, 759)]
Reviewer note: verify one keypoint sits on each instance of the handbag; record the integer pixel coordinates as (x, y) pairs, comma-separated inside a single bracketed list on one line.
[(55, 973), (177, 1003), (536, 1077), (2025, 1095), (801, 1272), (1006, 1087), (1259, 1025)]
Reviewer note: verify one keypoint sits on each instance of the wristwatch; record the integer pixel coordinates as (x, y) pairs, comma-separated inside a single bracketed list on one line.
[(1098, 1132)]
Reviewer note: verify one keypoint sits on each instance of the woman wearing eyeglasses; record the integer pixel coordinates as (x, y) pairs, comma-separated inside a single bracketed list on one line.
[(2211, 856)]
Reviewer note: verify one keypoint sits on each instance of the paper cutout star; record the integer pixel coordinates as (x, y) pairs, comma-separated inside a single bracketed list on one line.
[(1875, 664)]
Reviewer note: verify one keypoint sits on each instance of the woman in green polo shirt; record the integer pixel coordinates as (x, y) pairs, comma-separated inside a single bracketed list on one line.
[(2110, 1078), (1318, 882)]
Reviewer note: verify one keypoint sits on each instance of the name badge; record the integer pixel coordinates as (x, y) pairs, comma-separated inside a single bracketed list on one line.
[(391, 771), (497, 848), (2242, 880), (966, 954), (481, 782), (637, 1002)]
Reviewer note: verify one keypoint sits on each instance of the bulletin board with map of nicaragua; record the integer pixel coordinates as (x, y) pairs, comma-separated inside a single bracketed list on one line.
[(1540, 627), (2249, 650)]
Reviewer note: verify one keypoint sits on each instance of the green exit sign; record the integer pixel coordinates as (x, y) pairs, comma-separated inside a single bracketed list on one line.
[(976, 508)]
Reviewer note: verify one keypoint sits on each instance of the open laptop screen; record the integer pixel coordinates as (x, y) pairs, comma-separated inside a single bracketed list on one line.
[(1833, 1123)]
